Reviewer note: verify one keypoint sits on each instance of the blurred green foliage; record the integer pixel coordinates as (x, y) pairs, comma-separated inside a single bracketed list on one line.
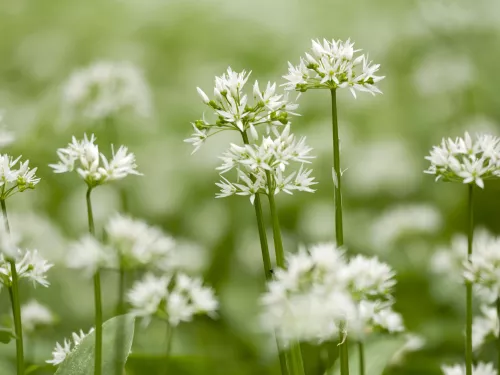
[(440, 58)]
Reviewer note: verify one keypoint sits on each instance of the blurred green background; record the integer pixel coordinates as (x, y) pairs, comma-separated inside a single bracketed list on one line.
[(440, 58)]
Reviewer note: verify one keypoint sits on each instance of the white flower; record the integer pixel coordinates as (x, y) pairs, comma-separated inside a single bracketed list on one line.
[(484, 326), (60, 352), (29, 265), (332, 65), (234, 111), (147, 295), (35, 314), (480, 369), (137, 243), (104, 90), (389, 320), (85, 157), (13, 180), (466, 160), (6, 136), (9, 241), (88, 255)]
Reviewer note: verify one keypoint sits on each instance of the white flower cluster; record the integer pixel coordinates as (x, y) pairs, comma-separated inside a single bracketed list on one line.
[(104, 90), (29, 265), (484, 326), (332, 65), (15, 179), (480, 369), (128, 243), (60, 352), (6, 136), (233, 111), (466, 160), (321, 296), (85, 154), (35, 315), (175, 299), (261, 167)]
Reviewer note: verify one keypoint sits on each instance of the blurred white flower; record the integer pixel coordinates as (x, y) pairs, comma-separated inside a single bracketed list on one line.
[(9, 241), (413, 343), (34, 315), (105, 90), (6, 136), (88, 255), (60, 352), (146, 295), (233, 110), (466, 160), (29, 265), (84, 155), (14, 180), (401, 220), (484, 326), (480, 369), (331, 65)]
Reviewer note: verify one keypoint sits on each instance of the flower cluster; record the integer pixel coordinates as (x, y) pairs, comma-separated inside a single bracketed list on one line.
[(480, 369), (85, 157), (35, 315), (29, 265), (261, 167), (174, 299), (466, 160), (485, 326), (104, 90), (322, 296), (331, 65), (15, 179), (6, 136), (233, 111), (60, 352)]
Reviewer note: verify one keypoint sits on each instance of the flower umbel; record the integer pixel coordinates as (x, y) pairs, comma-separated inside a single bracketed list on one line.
[(15, 179), (29, 265), (331, 65), (60, 352)]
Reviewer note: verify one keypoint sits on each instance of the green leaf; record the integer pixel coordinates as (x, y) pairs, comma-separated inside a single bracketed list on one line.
[(6, 335), (81, 361), (379, 351)]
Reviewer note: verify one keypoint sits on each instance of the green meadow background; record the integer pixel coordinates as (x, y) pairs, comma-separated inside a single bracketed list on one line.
[(441, 62)]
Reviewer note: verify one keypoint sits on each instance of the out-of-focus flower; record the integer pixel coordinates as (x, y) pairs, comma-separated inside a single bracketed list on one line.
[(331, 65), (88, 255), (480, 369), (466, 160), (34, 315), (234, 111), (484, 326), (60, 352), (85, 157), (105, 90)]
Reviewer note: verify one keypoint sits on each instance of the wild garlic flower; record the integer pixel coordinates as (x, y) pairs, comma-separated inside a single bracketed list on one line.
[(15, 179), (6, 136), (332, 65), (373, 316), (89, 255), (35, 315), (466, 160), (29, 265), (60, 352), (480, 369), (233, 111), (261, 167), (104, 90), (485, 326), (174, 299), (92, 166), (483, 268), (137, 243)]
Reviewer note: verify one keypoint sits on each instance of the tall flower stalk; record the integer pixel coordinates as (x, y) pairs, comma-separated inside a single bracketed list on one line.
[(469, 161), (332, 65)]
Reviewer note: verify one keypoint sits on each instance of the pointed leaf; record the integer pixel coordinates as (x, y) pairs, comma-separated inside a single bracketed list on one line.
[(81, 360)]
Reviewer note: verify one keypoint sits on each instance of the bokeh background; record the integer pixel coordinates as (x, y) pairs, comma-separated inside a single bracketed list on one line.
[(441, 60)]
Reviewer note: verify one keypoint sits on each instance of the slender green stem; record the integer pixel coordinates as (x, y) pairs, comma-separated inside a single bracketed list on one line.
[(120, 331), (296, 365), (97, 296), (344, 356), (266, 258), (361, 351), (468, 326), (15, 302)]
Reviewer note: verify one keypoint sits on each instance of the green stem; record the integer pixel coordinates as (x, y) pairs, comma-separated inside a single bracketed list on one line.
[(344, 356), (168, 350), (361, 350), (468, 327), (120, 331), (16, 304), (266, 258), (296, 365), (97, 296)]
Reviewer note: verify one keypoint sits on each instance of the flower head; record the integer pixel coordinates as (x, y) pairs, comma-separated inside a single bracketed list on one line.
[(34, 315), (83, 155), (88, 255), (104, 90), (60, 352), (233, 110), (15, 178), (466, 160), (331, 65), (29, 265)]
